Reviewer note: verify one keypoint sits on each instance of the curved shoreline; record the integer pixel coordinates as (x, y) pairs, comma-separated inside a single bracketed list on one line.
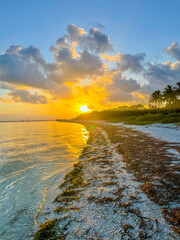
[(97, 182)]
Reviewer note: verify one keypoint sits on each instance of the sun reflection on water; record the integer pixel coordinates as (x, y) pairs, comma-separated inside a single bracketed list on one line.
[(85, 134)]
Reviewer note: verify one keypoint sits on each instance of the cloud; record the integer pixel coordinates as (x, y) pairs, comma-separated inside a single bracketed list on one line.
[(61, 91), (62, 43), (75, 33), (6, 86), (74, 69), (22, 95), (161, 74), (127, 61), (4, 100), (82, 69), (77, 57), (116, 58), (23, 67), (121, 88), (131, 62), (173, 50), (95, 41), (26, 67), (63, 55), (13, 49)]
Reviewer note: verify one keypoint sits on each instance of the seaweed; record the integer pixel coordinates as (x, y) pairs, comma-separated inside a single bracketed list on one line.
[(173, 217), (49, 231), (71, 187), (104, 200), (111, 183), (63, 209), (150, 164)]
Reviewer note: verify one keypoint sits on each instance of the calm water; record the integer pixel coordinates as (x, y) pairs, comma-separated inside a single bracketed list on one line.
[(33, 157)]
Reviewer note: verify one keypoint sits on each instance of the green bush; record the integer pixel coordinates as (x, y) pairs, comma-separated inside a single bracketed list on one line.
[(173, 115), (170, 120), (131, 116), (151, 117)]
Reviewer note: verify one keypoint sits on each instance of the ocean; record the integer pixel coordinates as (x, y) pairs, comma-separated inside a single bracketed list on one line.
[(34, 157)]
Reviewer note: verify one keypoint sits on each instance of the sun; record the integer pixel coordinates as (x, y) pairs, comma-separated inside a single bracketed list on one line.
[(84, 108)]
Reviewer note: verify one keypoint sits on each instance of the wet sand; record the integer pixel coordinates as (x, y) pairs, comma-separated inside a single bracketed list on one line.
[(124, 186)]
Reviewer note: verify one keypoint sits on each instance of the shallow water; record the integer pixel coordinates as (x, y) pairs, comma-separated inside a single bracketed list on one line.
[(34, 156)]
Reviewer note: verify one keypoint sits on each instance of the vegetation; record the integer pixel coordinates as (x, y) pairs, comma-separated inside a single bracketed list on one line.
[(154, 118), (170, 97), (164, 107)]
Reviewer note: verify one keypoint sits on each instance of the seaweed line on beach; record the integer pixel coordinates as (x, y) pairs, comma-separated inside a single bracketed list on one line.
[(107, 196)]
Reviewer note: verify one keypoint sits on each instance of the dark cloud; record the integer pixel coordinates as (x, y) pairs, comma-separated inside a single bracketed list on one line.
[(90, 63), (160, 75), (85, 65), (75, 33), (22, 95), (60, 44), (27, 67), (124, 84), (173, 50), (131, 62), (63, 55), (95, 41), (121, 89)]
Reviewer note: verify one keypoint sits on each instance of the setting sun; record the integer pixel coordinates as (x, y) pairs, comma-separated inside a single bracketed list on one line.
[(84, 109)]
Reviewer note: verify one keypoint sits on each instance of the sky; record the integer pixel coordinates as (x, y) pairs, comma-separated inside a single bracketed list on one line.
[(57, 56)]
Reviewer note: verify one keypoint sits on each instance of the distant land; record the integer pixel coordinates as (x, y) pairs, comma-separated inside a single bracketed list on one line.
[(28, 120)]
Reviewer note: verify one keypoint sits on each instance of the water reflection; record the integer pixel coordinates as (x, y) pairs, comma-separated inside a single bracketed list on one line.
[(32, 157)]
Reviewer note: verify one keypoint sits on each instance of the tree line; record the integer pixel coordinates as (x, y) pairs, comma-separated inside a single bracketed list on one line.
[(170, 97)]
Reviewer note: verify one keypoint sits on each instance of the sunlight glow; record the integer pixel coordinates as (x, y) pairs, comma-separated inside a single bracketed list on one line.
[(84, 108)]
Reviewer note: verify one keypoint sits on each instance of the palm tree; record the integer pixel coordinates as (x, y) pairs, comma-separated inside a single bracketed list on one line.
[(156, 97), (169, 95), (177, 92), (177, 89)]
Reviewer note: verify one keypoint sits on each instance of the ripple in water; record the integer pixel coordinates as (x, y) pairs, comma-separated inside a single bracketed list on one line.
[(34, 156)]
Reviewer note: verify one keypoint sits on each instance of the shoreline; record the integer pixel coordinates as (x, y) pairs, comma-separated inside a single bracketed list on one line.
[(96, 186)]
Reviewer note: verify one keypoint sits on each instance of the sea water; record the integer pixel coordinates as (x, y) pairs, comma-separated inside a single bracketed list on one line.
[(33, 157)]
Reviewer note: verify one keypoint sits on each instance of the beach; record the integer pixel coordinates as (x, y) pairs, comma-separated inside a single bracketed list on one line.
[(125, 185)]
